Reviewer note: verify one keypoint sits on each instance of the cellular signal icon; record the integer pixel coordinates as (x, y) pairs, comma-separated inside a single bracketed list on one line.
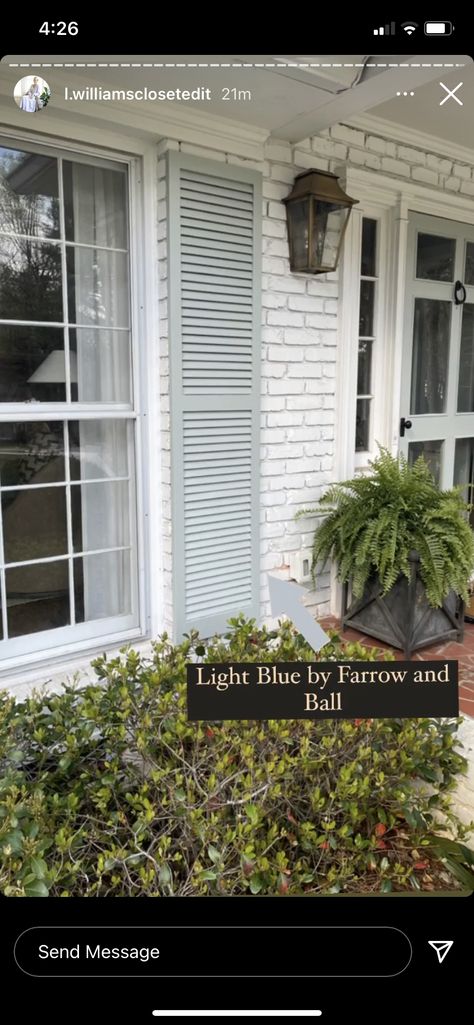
[(385, 30)]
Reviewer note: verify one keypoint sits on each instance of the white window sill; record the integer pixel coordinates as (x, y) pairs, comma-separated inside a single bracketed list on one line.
[(56, 671)]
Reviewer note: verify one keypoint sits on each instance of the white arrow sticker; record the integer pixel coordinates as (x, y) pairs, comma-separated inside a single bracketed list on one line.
[(285, 599)]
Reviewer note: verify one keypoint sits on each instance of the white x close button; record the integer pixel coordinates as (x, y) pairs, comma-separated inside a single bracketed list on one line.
[(451, 94)]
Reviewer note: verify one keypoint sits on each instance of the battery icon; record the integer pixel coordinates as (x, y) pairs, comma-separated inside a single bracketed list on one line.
[(438, 28)]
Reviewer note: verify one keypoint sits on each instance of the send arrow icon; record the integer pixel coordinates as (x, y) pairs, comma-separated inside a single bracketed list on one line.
[(285, 599), (442, 947)]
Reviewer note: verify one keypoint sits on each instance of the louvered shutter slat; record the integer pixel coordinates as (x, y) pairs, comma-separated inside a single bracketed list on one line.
[(214, 257)]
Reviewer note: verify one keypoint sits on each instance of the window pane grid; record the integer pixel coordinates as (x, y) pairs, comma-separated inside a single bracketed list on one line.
[(81, 393), (58, 323), (16, 455), (70, 544), (62, 230), (62, 484), (67, 224), (368, 278), (36, 412), (68, 557), (60, 241), (3, 586)]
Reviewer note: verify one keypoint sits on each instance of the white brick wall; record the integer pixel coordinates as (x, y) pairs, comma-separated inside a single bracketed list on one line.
[(299, 338), (345, 145)]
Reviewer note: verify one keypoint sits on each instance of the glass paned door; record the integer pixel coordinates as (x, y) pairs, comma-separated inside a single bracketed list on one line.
[(437, 393)]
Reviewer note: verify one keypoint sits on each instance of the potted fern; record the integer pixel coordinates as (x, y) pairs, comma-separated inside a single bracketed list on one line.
[(404, 551)]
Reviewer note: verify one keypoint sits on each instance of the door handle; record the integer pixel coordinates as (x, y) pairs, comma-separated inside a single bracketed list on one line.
[(404, 426), (459, 294)]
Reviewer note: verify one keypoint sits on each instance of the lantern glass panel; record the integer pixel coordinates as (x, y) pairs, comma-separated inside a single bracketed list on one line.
[(328, 225), (299, 233)]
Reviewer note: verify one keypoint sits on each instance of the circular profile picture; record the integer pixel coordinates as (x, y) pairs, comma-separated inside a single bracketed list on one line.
[(31, 94)]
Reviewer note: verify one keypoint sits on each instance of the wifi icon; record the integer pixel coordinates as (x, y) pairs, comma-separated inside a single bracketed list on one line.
[(409, 27)]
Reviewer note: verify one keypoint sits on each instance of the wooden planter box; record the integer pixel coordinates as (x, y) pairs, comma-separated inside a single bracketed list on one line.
[(469, 610), (403, 618)]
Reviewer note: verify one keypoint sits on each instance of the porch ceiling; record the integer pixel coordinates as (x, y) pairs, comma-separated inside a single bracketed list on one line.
[(422, 113), (288, 100), (293, 102)]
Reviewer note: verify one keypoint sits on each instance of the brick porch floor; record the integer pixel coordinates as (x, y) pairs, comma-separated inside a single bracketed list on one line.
[(464, 653)]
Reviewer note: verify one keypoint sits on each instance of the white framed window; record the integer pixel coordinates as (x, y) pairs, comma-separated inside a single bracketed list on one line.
[(371, 333), (368, 325), (367, 332), (68, 404)]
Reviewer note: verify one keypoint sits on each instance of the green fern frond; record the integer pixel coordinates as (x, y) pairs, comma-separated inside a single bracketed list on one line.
[(373, 522)]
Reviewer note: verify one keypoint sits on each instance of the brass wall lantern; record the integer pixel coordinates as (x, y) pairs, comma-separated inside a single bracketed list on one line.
[(317, 212)]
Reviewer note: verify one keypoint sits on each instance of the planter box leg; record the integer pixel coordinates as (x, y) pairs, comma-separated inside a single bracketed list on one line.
[(462, 609), (345, 589), (410, 612)]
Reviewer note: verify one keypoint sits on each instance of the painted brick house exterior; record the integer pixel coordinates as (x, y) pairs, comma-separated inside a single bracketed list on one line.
[(305, 352), (301, 347)]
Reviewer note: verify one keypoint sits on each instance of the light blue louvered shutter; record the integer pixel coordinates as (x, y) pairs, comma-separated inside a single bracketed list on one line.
[(214, 330)]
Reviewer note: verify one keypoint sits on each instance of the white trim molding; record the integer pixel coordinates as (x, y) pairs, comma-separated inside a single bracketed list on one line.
[(383, 190), (406, 136), (391, 200)]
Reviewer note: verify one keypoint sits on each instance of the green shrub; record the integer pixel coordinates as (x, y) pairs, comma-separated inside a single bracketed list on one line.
[(374, 522), (108, 790)]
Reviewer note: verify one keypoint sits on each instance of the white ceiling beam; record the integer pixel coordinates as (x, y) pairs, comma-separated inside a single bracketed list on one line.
[(379, 85)]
